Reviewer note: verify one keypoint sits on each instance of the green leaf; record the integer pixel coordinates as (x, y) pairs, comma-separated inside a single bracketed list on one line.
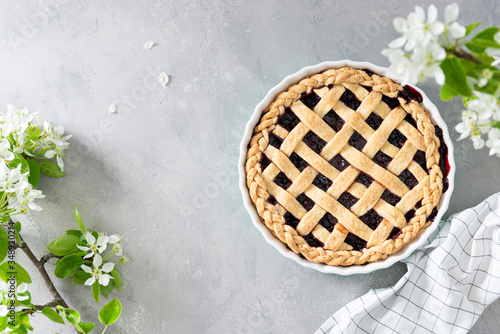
[(76, 233), (106, 290), (19, 160), (10, 268), (446, 93), (34, 175), (110, 312), (471, 27), (80, 277), (33, 133), (467, 64), (52, 315), (495, 124), (72, 316), (80, 221), (117, 278), (483, 57), (20, 329), (455, 77), (475, 48), (26, 302), (64, 245), (84, 327), (486, 38), (25, 321), (51, 169), (4, 244), (18, 238), (96, 291), (68, 265)]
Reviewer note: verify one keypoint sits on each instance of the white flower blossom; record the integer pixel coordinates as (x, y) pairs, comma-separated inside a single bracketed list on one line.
[(98, 274), (27, 197), (20, 292), (97, 246), (55, 137), (485, 105), (11, 180), (15, 120), (493, 142), (416, 30), (5, 152), (115, 238), (451, 15)]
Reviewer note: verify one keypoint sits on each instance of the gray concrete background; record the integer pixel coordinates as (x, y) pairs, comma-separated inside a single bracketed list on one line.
[(162, 171)]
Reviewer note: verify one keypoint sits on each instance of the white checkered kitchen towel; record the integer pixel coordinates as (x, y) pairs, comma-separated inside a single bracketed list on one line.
[(450, 281)]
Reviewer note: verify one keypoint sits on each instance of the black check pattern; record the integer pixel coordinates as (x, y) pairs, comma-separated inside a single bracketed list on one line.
[(449, 283)]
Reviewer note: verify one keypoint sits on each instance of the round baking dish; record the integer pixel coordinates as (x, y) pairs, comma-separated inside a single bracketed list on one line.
[(355, 269)]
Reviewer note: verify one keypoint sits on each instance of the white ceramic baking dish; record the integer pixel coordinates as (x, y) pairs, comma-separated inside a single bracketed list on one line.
[(357, 269)]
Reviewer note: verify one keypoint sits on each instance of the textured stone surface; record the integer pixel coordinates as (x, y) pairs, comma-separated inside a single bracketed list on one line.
[(162, 170)]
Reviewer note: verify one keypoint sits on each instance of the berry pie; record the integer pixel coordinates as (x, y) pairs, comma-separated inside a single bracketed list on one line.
[(346, 167)]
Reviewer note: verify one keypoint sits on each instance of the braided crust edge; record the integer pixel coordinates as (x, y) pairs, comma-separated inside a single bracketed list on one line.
[(276, 223)]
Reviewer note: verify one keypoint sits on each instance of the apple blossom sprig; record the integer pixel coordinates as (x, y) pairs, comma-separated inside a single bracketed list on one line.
[(462, 65), (27, 147), (82, 255)]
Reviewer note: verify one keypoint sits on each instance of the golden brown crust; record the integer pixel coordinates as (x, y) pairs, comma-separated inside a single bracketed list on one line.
[(335, 252)]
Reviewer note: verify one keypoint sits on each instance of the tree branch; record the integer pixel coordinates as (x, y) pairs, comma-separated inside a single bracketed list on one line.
[(41, 269), (460, 53), (51, 304)]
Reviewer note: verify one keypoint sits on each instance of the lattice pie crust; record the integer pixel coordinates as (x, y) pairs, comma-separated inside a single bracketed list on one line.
[(343, 167)]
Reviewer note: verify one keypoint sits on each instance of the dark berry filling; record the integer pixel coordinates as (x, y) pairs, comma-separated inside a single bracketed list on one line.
[(444, 165), (432, 215), (408, 178), (410, 120), (264, 161), (357, 141), (382, 159), (419, 158), (305, 201), (275, 140), (328, 221), (409, 93), (396, 138), (322, 182), (314, 142), (310, 100), (339, 162), (374, 121), (291, 220), (418, 205), (288, 120), (368, 88), (394, 233), (350, 100), (364, 179), (392, 102), (356, 242), (312, 241), (298, 162), (282, 181), (272, 200), (409, 215), (347, 200), (390, 198), (334, 120), (370, 73), (372, 219)]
